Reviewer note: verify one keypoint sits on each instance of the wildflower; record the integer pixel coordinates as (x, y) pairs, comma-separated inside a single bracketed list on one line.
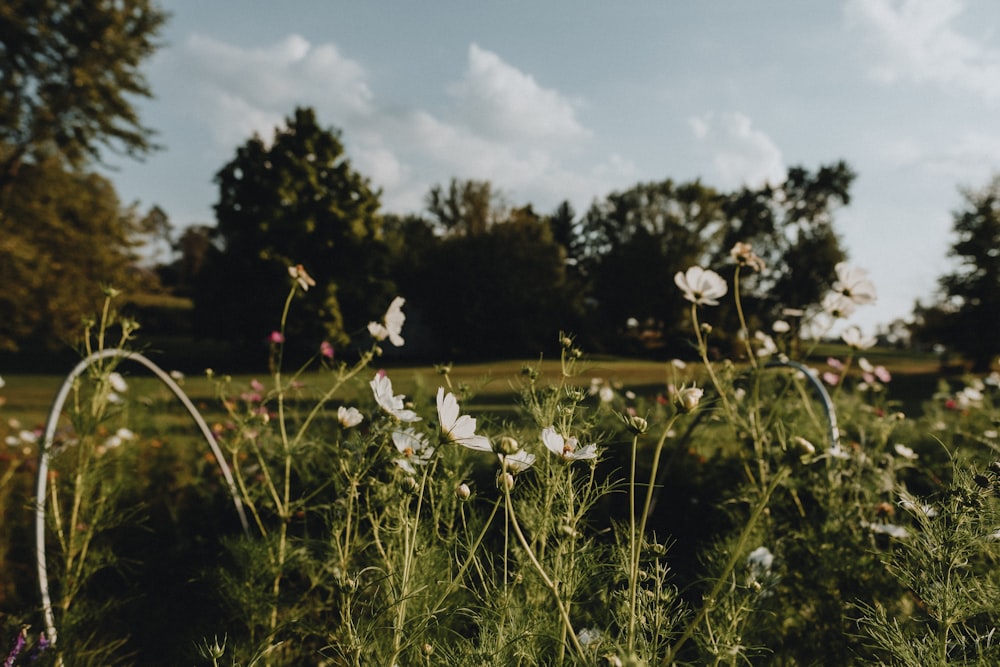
[(2, 383), (767, 346), (702, 287), (853, 283), (463, 491), (299, 275), (117, 382), (566, 448), (679, 364), (276, 338), (326, 350), (837, 306), (588, 637), (781, 326), (349, 417), (905, 451), (890, 529), (414, 448), (517, 462), (759, 562), (636, 424), (744, 255), (391, 324), (856, 339), (459, 429), (689, 397), (912, 507), (382, 388)]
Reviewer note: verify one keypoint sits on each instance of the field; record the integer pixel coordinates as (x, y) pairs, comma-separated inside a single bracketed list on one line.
[(629, 493)]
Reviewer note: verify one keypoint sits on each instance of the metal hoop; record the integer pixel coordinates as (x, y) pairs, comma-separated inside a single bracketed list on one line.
[(43, 462)]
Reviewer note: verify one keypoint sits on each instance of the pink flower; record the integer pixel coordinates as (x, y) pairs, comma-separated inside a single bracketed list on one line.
[(831, 379), (276, 338), (326, 350)]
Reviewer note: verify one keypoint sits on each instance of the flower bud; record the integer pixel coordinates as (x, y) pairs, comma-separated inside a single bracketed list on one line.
[(805, 448), (507, 480), (689, 397), (637, 425), (508, 446), (463, 491)]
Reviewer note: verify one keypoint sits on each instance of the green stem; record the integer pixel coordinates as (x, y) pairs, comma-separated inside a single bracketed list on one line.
[(541, 572), (734, 558)]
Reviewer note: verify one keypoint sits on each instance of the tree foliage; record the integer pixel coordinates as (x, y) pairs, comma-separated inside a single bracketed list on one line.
[(70, 76), (67, 236), (294, 200), (966, 317)]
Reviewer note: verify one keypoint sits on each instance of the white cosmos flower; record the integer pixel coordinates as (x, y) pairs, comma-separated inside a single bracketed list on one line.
[(702, 287), (413, 448), (391, 325), (566, 448), (459, 429), (517, 462), (382, 388), (767, 346), (856, 339), (349, 417), (837, 305), (853, 283), (299, 274), (905, 451)]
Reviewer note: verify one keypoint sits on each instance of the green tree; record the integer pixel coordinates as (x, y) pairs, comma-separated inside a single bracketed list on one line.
[(294, 200), (68, 236), (791, 226), (970, 307), (501, 292), (631, 245), (70, 77), (466, 207)]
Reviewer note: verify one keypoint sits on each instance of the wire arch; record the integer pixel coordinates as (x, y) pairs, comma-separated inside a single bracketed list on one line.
[(41, 485)]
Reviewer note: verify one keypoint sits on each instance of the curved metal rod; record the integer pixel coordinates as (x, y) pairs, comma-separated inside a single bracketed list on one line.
[(824, 395), (43, 462)]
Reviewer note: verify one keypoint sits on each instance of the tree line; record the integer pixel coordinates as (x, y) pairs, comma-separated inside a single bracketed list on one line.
[(482, 276)]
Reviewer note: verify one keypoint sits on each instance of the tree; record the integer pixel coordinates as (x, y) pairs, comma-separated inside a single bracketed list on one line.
[(501, 292), (631, 245), (295, 200), (791, 227), (70, 73), (68, 237), (467, 207), (971, 300)]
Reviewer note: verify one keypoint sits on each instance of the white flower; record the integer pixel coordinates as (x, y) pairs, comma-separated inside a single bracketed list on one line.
[(517, 462), (856, 339), (117, 382), (28, 437), (382, 388), (905, 451), (781, 326), (348, 417), (414, 449), (759, 562), (767, 345), (910, 506), (853, 283), (702, 287), (391, 325), (301, 276), (890, 529), (2, 383), (459, 429), (689, 397), (566, 448), (837, 305), (586, 637)]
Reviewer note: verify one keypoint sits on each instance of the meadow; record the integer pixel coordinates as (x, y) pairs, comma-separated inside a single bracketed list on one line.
[(832, 503)]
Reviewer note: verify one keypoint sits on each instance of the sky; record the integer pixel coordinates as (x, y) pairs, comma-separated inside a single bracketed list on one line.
[(572, 100)]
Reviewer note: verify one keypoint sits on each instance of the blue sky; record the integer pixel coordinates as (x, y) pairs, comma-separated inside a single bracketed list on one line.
[(573, 100)]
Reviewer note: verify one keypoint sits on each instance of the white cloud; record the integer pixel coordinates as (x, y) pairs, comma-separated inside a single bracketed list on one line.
[(741, 154), (503, 102), (917, 41), (251, 90), (968, 157)]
